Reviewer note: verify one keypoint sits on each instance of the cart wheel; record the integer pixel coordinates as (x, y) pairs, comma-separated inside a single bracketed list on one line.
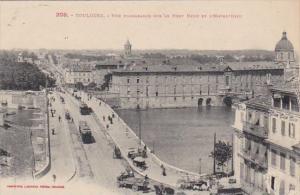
[(135, 187)]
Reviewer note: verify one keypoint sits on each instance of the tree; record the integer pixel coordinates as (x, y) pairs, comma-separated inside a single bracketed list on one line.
[(20, 76), (222, 153)]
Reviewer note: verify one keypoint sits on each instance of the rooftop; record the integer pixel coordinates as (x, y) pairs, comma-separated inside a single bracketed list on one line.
[(234, 66), (292, 87), (261, 102), (80, 68)]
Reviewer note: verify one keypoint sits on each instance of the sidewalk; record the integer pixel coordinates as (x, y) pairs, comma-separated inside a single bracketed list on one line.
[(62, 162), (125, 138)]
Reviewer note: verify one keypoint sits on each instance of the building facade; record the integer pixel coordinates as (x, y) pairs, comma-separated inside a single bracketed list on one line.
[(191, 86), (284, 141), (267, 142), (79, 74)]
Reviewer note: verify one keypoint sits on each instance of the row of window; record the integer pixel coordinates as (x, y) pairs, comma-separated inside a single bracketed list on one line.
[(291, 128), (81, 74), (289, 56), (227, 78), (138, 92), (283, 160), (81, 80), (287, 103), (281, 187)]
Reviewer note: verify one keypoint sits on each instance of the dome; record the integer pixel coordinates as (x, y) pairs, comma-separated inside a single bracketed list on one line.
[(127, 42), (284, 44)]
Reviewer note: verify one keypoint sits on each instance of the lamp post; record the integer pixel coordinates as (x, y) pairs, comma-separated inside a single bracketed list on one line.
[(140, 125), (214, 166), (200, 166)]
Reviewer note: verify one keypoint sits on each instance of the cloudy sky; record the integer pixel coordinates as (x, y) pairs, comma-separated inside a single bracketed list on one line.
[(254, 25)]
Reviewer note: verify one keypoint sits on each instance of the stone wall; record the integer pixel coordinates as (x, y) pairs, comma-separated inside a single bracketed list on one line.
[(14, 99)]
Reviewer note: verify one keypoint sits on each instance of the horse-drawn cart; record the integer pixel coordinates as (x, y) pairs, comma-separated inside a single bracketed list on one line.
[(134, 183)]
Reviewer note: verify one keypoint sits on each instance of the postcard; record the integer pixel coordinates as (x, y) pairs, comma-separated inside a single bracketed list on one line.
[(150, 97)]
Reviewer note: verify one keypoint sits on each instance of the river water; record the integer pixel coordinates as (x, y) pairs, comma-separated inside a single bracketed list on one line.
[(182, 136)]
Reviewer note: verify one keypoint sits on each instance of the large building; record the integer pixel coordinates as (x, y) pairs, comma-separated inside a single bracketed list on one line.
[(191, 86), (79, 74), (267, 134)]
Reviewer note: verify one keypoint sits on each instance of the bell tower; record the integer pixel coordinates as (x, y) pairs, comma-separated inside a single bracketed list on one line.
[(127, 48)]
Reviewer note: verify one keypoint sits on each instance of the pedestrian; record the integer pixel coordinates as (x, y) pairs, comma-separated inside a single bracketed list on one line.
[(53, 131), (54, 177), (163, 170), (59, 118), (72, 120)]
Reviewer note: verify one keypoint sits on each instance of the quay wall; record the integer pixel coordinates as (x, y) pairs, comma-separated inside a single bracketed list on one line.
[(170, 102), (14, 99)]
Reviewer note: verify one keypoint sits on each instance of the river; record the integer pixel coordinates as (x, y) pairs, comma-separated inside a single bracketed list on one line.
[(182, 136)]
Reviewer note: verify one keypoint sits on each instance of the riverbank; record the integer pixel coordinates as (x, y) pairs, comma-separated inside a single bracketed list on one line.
[(24, 134)]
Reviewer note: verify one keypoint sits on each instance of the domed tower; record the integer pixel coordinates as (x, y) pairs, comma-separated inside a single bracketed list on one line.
[(284, 50), (127, 48)]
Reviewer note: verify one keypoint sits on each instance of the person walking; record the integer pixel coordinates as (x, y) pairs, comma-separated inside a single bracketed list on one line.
[(54, 178), (163, 170)]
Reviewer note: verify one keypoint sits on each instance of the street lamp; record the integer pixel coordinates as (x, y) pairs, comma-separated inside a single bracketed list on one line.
[(140, 125), (200, 166)]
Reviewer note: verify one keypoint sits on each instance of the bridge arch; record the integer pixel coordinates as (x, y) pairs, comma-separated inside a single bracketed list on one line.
[(200, 101), (208, 102), (227, 101)]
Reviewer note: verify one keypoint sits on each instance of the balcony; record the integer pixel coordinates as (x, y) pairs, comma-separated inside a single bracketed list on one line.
[(255, 130), (258, 159)]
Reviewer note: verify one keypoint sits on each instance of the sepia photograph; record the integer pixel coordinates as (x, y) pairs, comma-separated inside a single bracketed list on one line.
[(150, 97)]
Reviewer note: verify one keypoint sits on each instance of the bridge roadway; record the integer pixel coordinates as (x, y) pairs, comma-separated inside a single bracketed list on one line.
[(104, 168)]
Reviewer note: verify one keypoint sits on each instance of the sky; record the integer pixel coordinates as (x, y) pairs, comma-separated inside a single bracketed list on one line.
[(256, 24)]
